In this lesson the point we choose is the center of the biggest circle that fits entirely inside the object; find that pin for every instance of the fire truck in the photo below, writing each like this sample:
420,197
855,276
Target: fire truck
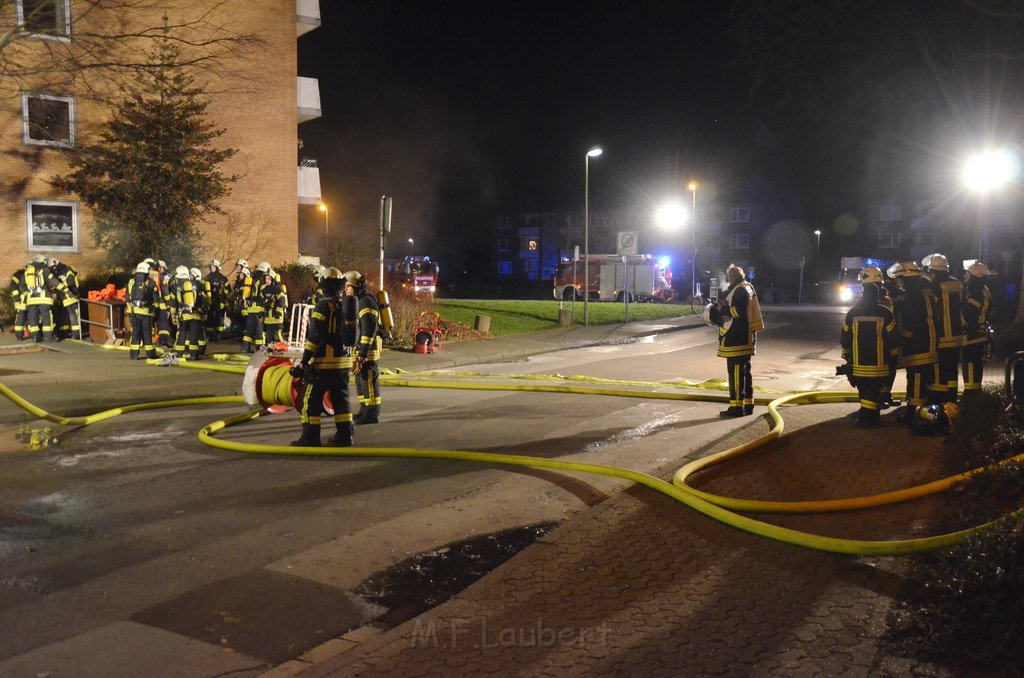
850,287
416,274
613,277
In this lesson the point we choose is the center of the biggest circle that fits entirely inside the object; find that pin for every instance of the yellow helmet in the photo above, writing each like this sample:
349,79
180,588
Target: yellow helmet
870,274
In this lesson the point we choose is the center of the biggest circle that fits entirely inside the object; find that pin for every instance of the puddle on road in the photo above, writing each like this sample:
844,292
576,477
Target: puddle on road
428,579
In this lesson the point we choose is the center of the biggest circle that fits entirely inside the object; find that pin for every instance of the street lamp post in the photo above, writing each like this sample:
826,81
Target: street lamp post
592,153
693,264
986,172
411,246
327,228
817,259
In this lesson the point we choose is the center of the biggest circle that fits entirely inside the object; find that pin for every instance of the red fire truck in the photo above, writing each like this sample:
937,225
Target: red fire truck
416,274
612,277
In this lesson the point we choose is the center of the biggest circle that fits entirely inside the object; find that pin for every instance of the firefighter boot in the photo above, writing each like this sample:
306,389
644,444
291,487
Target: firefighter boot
343,436
360,414
246,347
310,436
733,411
133,354
371,416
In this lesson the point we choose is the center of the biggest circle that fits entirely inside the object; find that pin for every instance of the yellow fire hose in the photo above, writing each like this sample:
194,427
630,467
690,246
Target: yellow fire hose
723,509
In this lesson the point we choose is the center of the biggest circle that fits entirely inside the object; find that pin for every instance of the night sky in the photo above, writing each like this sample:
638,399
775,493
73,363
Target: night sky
467,110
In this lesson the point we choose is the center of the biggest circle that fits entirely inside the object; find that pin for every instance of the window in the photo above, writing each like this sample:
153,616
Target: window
529,244
889,213
48,120
45,17
504,268
888,240
739,215
52,226
503,245
739,241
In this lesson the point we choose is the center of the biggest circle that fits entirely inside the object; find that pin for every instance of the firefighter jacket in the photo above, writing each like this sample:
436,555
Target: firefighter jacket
274,303
948,309
68,278
736,336
142,295
325,347
187,301
39,285
159,284
368,342
869,335
915,324
252,301
17,285
218,283
976,308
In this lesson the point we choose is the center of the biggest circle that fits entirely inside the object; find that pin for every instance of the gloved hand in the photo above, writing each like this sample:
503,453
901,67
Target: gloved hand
357,364
297,371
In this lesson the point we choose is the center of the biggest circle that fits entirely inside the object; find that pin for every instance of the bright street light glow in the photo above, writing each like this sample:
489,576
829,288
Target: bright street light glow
594,152
990,170
671,217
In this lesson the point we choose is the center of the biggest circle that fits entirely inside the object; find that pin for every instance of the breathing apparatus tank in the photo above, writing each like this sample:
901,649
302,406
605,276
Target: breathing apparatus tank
387,320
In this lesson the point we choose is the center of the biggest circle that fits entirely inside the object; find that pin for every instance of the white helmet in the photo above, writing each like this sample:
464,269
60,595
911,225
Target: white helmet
52,262
935,262
181,273
978,270
195,273
39,259
263,267
162,264
143,267
902,269
242,263
214,263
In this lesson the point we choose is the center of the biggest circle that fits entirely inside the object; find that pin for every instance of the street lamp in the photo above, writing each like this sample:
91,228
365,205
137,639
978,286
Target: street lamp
817,259
693,264
411,248
327,228
592,153
986,172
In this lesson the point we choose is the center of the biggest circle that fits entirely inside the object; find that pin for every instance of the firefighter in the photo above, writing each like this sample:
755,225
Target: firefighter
253,311
218,284
142,296
948,299
916,329
867,340
275,305
977,329
164,282
20,310
66,317
204,296
890,290
38,292
368,348
184,308
740,320
325,365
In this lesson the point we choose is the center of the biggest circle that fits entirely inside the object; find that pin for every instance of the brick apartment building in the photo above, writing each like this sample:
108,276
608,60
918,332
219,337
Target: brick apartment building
257,98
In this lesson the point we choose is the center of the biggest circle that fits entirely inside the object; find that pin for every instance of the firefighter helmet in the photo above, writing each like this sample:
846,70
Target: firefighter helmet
978,270
149,261
263,267
39,259
214,263
242,263
935,262
195,273
52,261
162,264
181,273
319,273
355,279
870,274
143,267
332,281
904,268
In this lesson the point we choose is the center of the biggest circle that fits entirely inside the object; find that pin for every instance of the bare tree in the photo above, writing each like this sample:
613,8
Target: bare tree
96,46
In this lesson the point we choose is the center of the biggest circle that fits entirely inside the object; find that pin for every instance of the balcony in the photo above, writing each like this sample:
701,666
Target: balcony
308,98
309,185
307,16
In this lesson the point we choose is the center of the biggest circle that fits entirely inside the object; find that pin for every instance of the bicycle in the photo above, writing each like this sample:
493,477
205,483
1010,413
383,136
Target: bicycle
697,301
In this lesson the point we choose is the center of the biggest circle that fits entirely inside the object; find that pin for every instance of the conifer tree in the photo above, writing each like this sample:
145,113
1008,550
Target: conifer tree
152,175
